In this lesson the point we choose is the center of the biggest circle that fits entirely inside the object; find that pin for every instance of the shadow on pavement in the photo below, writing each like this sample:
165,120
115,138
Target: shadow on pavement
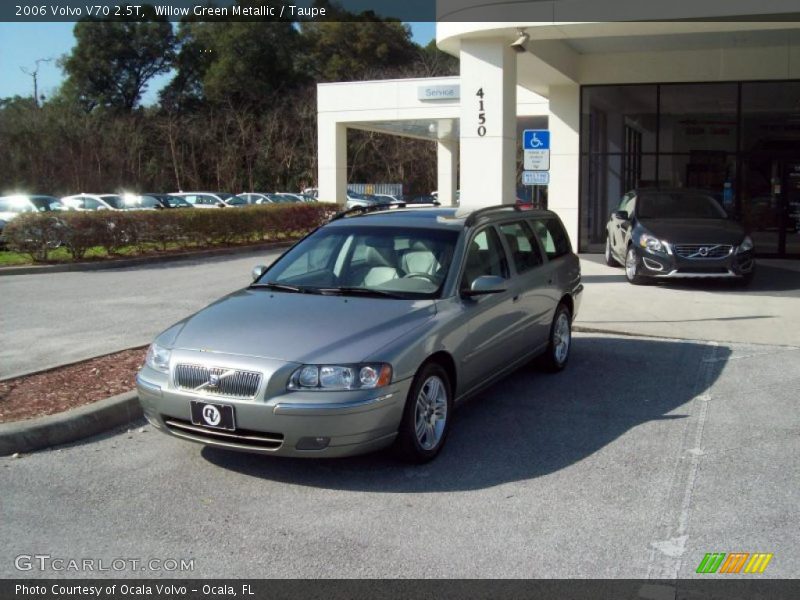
529,425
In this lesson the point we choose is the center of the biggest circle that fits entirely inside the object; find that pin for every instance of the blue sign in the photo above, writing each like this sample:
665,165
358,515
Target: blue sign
535,177
536,139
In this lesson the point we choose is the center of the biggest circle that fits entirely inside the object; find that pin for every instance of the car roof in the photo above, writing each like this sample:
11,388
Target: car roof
438,218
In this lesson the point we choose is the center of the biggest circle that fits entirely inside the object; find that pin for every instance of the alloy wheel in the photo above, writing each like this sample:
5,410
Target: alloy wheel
431,412
562,337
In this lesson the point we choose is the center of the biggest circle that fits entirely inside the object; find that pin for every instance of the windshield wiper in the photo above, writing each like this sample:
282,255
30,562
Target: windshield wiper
283,287
360,291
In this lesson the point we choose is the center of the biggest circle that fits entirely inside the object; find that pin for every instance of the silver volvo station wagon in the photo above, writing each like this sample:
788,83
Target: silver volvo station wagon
367,332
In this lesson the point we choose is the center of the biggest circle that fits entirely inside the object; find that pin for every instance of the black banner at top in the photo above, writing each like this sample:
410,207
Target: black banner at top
477,11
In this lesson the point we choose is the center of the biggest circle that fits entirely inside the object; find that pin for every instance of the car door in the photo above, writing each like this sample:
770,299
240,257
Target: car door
561,271
532,282
494,338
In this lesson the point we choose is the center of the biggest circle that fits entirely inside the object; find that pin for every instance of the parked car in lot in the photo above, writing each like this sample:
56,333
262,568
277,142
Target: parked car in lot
16,204
205,199
356,199
160,201
254,198
668,233
367,332
292,197
95,202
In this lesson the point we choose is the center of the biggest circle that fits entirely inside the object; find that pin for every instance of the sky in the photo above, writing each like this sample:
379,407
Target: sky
21,44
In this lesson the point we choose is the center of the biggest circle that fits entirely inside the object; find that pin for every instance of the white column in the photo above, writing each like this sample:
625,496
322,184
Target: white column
332,160
488,157
564,124
447,171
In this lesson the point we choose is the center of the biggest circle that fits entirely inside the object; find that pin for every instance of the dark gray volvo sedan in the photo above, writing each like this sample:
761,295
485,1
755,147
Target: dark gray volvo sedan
366,333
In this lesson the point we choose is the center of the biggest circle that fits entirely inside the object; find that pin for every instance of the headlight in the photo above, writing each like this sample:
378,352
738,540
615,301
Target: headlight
746,245
341,377
158,358
653,244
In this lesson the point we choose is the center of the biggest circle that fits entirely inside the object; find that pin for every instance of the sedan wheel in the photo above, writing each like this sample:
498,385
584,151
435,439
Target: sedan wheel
426,418
632,267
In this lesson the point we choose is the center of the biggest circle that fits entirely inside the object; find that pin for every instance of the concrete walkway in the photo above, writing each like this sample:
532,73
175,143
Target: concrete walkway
766,312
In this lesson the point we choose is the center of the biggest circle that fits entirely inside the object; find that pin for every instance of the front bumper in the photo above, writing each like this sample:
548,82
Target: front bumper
347,422
668,266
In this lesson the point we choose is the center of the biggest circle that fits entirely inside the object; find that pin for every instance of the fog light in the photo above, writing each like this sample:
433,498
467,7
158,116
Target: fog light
313,443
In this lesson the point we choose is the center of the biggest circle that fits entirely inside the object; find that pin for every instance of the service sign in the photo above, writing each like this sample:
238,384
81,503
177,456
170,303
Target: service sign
439,92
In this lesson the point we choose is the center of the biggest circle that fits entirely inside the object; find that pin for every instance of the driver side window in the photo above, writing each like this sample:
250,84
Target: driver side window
485,256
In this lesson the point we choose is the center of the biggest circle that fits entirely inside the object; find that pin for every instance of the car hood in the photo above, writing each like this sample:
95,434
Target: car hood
303,328
695,231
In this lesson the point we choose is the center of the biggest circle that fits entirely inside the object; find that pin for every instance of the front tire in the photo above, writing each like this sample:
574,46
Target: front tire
632,268
426,417
610,260
557,354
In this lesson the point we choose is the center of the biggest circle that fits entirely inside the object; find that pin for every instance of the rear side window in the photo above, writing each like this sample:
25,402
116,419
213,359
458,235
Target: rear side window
485,256
552,236
524,249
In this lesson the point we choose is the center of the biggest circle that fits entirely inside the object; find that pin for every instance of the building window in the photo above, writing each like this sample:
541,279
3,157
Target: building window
737,141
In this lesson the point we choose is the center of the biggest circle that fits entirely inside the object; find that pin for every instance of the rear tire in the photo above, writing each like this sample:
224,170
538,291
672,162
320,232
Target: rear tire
610,260
632,268
556,356
426,418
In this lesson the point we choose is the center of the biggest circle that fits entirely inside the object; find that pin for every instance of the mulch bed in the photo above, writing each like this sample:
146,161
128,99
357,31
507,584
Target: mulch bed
62,388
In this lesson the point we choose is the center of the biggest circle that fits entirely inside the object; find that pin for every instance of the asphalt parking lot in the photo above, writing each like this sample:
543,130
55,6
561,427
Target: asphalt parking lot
645,454
57,318
637,460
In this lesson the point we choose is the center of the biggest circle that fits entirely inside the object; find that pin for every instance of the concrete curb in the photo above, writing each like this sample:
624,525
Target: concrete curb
69,426
139,261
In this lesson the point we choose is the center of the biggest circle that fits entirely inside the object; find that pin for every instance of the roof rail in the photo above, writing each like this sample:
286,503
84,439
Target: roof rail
361,210
475,215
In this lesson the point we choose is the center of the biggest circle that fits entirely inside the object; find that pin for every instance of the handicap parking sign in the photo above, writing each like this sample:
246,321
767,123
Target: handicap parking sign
536,139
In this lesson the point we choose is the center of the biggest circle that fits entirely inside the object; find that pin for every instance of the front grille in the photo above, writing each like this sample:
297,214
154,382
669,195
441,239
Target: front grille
229,382
701,251
703,270
240,437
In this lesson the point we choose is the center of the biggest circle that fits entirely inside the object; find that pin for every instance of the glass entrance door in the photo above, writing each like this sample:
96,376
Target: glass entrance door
790,207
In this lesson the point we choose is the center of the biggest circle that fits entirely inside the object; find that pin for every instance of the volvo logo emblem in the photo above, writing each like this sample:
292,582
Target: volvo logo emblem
213,380
211,415
703,251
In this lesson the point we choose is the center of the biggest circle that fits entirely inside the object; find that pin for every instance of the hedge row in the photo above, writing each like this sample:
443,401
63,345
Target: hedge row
37,234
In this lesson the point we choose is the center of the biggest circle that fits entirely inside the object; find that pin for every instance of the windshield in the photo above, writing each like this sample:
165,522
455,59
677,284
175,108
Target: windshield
114,201
384,261
224,196
678,205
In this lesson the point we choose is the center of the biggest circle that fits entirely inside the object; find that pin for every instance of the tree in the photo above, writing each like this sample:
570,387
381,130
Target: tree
113,61
346,51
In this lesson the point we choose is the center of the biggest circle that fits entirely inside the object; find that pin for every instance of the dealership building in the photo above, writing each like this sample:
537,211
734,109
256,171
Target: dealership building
707,98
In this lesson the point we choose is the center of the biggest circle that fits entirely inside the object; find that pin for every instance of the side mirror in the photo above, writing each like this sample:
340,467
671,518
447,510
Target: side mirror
258,271
622,215
486,284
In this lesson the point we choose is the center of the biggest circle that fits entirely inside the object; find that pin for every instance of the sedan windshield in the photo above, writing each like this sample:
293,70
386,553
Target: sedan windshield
678,205
384,262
